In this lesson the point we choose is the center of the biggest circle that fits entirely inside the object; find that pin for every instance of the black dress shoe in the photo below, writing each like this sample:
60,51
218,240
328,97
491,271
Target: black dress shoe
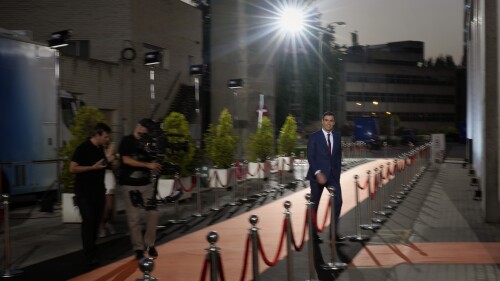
139,254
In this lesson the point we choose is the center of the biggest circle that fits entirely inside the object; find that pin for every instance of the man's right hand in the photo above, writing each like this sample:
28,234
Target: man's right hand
155,167
320,178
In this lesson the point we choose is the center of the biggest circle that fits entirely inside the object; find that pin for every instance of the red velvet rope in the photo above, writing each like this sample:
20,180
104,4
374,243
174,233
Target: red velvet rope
299,248
364,186
193,184
203,276
221,268
245,259
278,252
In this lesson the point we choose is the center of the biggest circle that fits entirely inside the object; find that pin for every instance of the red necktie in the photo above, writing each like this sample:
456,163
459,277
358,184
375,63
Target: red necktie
329,144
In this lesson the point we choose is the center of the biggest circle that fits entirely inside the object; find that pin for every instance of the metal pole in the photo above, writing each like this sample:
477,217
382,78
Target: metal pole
7,272
254,219
289,256
310,246
358,237
213,254
333,264
198,195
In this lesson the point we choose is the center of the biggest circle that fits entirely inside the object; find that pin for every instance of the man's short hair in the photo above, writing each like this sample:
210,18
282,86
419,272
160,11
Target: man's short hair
328,113
147,123
101,128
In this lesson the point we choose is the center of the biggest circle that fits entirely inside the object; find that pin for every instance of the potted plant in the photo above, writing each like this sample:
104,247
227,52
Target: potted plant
84,122
179,153
287,142
260,146
220,145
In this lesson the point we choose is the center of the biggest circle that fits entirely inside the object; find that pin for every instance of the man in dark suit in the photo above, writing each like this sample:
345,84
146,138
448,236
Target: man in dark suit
324,153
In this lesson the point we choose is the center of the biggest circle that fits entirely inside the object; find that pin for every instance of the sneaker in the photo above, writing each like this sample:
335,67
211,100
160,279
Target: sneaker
139,254
152,252
102,232
111,230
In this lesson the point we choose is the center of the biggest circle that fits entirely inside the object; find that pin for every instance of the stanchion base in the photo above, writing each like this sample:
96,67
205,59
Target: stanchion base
334,266
379,220
390,207
384,213
234,204
214,209
371,226
10,273
176,221
198,215
147,278
358,238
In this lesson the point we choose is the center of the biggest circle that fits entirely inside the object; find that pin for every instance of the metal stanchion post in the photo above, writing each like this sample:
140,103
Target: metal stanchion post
358,237
289,256
213,255
370,225
333,264
310,246
235,202
386,190
376,189
254,219
198,195
176,204
8,271
147,265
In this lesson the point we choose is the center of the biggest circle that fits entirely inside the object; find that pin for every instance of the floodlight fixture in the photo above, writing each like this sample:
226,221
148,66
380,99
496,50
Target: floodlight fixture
59,39
197,69
235,83
152,58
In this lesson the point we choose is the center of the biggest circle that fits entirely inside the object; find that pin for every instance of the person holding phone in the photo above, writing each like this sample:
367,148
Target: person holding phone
88,163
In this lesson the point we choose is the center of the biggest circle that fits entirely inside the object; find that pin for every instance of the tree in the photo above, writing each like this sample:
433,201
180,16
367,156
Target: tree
180,151
261,144
85,120
221,142
287,140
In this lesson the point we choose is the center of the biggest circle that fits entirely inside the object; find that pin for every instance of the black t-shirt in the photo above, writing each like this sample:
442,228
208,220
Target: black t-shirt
129,175
87,154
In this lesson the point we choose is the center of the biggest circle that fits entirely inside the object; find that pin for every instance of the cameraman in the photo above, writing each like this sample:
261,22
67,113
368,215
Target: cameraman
135,178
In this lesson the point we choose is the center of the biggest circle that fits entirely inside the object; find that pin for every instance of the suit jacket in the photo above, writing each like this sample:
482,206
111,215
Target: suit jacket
320,159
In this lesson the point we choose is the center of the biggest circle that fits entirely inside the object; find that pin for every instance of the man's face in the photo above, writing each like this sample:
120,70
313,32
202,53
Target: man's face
328,122
139,131
103,139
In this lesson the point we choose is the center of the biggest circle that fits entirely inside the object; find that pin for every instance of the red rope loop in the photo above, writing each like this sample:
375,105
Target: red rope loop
221,268
203,275
278,252
299,247
193,184
245,259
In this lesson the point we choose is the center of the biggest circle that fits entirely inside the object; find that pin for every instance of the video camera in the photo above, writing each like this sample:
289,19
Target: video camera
156,143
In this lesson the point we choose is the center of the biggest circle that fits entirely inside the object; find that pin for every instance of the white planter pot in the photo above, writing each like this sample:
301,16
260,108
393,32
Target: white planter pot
284,163
221,178
70,212
256,170
300,168
165,187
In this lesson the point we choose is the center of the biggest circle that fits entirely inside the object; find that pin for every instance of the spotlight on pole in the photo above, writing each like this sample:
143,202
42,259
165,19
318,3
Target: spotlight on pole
197,69
59,39
235,83
152,58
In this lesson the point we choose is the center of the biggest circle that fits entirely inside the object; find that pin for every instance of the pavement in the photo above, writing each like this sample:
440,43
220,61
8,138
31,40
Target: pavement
440,208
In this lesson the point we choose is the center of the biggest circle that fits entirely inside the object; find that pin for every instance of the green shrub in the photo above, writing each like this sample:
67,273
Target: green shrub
84,122
261,144
220,141
176,127
287,140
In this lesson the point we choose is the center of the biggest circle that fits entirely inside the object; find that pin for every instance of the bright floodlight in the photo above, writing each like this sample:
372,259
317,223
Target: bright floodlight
292,20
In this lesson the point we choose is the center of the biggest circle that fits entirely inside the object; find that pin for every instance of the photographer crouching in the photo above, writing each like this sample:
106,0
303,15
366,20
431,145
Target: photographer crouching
137,166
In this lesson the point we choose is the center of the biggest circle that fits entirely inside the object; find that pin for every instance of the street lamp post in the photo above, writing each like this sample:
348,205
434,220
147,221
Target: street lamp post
235,84
196,71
